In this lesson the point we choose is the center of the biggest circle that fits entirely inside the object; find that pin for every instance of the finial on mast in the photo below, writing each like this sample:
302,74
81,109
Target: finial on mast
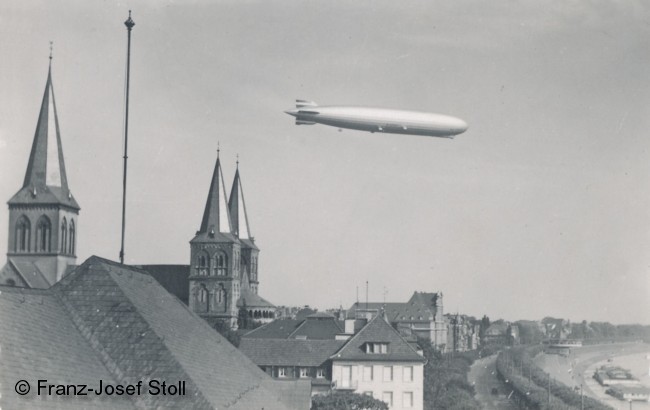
51,46
237,161
129,23
218,149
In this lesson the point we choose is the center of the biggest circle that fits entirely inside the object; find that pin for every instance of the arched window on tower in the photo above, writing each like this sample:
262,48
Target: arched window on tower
64,236
204,304
254,268
222,264
73,245
219,295
23,235
202,263
43,234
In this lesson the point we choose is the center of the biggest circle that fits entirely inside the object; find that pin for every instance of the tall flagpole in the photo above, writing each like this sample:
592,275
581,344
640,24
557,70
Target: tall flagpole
129,25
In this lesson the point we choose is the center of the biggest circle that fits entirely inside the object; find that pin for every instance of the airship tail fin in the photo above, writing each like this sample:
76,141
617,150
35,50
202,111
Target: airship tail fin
303,122
305,103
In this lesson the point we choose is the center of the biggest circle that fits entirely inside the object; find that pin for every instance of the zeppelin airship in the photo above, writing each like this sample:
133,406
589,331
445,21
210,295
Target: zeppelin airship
378,119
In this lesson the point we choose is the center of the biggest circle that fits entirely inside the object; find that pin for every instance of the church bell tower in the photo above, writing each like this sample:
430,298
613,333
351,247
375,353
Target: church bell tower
43,214
215,259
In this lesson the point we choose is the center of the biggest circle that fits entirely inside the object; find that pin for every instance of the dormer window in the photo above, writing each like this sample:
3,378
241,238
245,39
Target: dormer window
376,347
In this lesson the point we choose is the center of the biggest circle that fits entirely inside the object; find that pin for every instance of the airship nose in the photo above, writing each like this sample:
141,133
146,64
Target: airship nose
293,113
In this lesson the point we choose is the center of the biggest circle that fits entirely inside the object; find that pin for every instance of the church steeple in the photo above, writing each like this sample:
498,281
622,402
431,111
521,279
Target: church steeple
237,208
216,216
45,178
46,165
43,214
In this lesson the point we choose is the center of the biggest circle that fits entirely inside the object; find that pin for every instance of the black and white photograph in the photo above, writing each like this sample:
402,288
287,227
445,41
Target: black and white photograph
327,205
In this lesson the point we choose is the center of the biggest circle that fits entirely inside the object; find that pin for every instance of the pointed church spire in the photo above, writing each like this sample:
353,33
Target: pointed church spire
46,166
237,208
216,218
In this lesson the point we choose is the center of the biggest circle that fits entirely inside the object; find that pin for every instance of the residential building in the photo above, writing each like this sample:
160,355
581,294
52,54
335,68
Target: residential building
378,361
422,316
367,356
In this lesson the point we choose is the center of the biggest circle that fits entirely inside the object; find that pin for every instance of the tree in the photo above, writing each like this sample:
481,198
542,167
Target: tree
224,329
347,401
485,323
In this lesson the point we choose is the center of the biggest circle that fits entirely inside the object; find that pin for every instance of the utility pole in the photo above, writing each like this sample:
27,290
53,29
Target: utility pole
549,390
582,399
129,25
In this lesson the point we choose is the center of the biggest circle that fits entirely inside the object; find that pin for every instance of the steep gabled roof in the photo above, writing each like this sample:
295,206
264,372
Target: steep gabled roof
378,331
289,352
216,224
40,341
278,329
143,332
174,278
317,327
29,273
237,207
45,180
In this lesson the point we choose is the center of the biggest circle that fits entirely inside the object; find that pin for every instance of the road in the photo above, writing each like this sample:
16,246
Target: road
483,375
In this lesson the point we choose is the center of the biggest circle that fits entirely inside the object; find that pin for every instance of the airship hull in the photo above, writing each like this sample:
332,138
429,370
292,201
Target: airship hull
378,120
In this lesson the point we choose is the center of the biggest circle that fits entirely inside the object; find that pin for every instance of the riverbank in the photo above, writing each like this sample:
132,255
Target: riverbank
578,367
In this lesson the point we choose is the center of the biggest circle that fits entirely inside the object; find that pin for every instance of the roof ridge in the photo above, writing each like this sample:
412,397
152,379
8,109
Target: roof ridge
107,360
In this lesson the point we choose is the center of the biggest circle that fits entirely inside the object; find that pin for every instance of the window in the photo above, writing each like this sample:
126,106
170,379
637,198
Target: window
388,373
407,399
387,397
282,372
219,295
408,373
43,234
203,299
202,264
375,348
71,241
23,233
320,373
64,236
304,372
367,373
222,264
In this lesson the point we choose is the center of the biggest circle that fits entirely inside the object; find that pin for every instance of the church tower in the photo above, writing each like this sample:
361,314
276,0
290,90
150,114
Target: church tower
215,259
241,229
43,214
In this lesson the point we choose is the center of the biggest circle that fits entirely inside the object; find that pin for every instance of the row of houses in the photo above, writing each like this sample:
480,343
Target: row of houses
364,355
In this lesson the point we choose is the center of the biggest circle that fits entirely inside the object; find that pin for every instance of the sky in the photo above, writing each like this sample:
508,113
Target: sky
542,208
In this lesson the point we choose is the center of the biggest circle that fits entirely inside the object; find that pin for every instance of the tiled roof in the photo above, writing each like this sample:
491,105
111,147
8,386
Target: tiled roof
316,328
30,273
114,322
174,278
278,329
378,330
304,312
289,352
40,341
253,300
395,312
147,333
